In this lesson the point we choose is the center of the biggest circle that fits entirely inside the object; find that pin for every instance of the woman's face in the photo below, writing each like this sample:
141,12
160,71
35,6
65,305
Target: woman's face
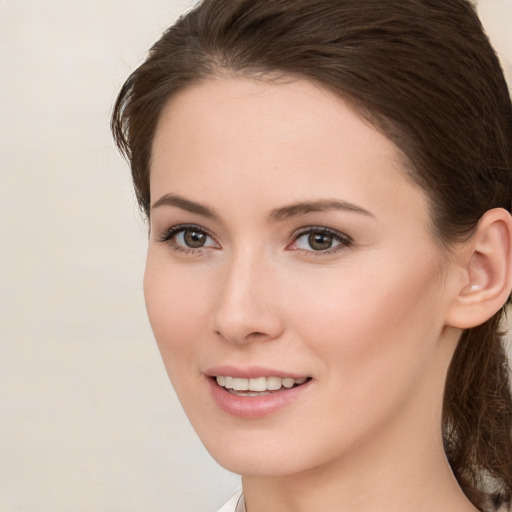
288,248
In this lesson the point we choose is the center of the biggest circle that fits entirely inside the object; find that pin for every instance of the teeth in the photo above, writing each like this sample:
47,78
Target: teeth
240,384
288,382
274,383
259,384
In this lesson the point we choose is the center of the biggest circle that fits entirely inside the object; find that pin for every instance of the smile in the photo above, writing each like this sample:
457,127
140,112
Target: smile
257,386
254,393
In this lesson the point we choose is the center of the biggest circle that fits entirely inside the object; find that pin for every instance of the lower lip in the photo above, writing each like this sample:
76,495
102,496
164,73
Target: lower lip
255,407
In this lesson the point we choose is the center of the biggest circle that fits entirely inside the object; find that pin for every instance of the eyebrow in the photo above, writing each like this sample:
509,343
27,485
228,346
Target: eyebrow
184,204
278,214
323,205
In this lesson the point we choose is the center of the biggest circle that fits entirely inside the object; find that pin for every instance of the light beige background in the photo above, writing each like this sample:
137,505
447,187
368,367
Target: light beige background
88,421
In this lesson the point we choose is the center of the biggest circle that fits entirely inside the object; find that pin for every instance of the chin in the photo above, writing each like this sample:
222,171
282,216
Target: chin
269,454
256,464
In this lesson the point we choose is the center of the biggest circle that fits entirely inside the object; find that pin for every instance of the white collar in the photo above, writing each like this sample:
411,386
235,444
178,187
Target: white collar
235,504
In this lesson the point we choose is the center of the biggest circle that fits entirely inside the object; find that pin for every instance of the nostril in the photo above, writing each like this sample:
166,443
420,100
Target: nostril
241,337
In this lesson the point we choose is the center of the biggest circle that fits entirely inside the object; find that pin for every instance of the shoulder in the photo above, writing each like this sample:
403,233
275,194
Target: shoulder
235,504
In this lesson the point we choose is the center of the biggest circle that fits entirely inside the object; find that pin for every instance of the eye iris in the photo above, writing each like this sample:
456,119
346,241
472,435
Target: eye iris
194,239
320,241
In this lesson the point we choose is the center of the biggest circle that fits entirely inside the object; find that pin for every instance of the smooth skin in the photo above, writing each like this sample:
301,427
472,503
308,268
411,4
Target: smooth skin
352,290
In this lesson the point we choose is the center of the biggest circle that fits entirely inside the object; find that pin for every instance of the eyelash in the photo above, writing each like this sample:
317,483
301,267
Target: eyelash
168,238
343,240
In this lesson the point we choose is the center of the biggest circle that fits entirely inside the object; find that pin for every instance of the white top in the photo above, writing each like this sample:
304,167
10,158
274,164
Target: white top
235,504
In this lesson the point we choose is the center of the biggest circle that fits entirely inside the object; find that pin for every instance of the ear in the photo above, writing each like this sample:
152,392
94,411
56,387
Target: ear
486,260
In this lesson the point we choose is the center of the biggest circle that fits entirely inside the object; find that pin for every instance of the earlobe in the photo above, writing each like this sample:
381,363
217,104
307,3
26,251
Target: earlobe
487,258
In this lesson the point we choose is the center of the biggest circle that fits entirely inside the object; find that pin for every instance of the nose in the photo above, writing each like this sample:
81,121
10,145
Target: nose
247,308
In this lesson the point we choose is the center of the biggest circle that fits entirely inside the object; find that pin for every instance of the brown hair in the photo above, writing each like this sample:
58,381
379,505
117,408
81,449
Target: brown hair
422,72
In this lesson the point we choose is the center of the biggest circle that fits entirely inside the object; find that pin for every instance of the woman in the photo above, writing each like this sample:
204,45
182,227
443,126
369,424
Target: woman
328,185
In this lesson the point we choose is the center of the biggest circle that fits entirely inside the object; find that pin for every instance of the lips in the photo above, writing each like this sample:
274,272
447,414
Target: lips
255,393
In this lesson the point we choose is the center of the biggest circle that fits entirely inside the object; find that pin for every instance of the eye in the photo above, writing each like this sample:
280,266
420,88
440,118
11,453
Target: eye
192,238
188,238
320,239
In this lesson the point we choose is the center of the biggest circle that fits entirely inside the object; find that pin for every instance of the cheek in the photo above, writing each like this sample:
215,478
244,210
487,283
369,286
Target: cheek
372,320
373,332
176,309
175,306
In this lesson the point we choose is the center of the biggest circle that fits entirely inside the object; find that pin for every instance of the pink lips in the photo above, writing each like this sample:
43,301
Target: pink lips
253,407
250,373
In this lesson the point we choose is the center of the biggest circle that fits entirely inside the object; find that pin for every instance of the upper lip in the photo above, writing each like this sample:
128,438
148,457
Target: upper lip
251,372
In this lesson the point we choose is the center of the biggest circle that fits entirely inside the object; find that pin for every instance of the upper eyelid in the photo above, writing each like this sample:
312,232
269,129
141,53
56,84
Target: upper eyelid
308,229
184,226
174,230
170,232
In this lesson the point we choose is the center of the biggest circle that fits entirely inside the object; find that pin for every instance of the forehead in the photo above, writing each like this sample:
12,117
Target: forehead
280,140
286,108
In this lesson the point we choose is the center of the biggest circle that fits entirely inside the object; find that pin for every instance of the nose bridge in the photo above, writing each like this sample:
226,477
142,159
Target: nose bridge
245,307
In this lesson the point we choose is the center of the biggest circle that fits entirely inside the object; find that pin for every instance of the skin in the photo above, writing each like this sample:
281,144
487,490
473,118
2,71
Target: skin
366,319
